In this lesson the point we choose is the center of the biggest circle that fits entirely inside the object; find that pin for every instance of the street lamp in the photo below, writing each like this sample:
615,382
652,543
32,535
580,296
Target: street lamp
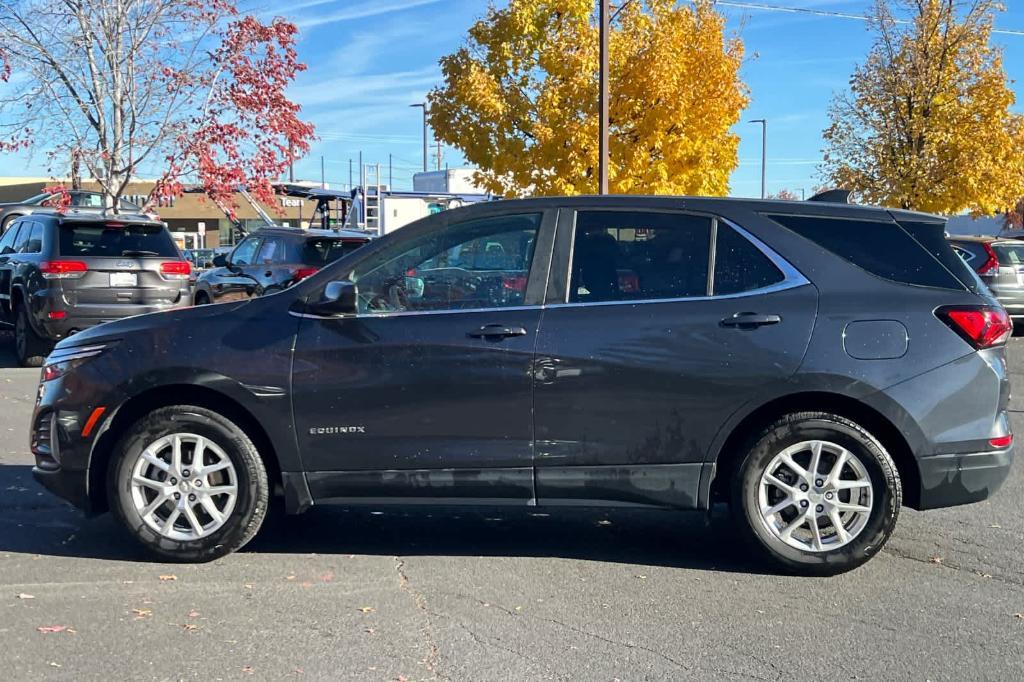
423,105
764,153
602,98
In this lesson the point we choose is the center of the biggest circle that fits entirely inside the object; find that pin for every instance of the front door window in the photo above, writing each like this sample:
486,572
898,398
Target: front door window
473,265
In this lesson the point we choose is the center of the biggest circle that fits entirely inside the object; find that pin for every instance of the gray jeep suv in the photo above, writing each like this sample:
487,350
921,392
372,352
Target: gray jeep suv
60,274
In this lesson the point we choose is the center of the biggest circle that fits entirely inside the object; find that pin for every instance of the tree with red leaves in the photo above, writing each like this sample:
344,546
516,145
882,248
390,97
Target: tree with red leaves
188,91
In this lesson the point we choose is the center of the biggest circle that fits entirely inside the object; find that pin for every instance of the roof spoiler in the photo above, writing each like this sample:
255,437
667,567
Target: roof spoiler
835,196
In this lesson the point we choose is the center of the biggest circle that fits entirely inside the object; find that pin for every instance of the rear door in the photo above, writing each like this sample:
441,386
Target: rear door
671,321
125,266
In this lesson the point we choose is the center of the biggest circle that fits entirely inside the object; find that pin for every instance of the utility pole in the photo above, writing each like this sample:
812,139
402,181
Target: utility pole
440,153
603,102
423,105
291,163
764,155
391,177
350,174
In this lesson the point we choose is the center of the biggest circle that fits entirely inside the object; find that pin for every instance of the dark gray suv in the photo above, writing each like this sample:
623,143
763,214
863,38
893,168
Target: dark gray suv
60,274
815,365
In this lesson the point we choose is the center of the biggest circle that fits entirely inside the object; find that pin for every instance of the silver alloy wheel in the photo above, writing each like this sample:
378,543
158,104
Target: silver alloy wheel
815,496
184,486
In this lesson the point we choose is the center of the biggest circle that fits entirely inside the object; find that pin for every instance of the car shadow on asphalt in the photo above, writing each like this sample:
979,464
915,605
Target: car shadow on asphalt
7,357
34,522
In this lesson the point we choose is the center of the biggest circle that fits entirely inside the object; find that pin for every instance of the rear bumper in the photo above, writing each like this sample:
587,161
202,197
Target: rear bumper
84,317
950,480
68,485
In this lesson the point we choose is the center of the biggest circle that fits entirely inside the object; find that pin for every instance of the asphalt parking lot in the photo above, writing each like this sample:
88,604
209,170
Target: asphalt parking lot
496,595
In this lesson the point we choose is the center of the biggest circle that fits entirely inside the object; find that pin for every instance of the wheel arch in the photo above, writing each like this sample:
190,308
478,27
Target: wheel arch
729,455
163,396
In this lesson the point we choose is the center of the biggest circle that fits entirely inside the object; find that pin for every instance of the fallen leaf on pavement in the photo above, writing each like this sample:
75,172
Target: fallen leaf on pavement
26,596
247,586
289,577
366,609
370,631
193,614
248,669
50,629
54,664
142,613
1019,616
168,578
936,560
190,627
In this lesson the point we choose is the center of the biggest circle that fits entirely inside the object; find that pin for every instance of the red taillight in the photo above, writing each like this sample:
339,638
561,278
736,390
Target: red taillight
63,269
57,314
629,283
981,326
303,273
991,264
176,269
1001,442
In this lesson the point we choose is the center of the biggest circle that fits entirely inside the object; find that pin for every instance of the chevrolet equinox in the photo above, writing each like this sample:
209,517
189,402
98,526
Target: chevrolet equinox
816,365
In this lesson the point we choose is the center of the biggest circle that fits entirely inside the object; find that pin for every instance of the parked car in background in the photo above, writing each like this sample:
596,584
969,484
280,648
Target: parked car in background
272,259
201,259
81,202
816,365
1000,264
60,274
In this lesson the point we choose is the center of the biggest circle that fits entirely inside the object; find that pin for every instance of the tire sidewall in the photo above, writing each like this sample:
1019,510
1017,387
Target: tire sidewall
249,503
886,496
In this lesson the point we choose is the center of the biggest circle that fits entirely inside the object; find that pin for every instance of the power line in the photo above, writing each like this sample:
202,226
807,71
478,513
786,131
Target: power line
832,14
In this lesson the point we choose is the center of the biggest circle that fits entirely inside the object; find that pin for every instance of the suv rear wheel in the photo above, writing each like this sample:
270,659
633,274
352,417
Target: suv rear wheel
188,484
29,347
819,494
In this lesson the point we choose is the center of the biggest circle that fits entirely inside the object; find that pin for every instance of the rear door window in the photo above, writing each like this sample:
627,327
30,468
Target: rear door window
272,251
882,248
639,255
8,240
99,240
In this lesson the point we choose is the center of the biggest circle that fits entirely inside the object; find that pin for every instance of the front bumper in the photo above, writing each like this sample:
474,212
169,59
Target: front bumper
950,480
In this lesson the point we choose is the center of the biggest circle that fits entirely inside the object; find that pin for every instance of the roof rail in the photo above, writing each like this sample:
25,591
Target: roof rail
836,196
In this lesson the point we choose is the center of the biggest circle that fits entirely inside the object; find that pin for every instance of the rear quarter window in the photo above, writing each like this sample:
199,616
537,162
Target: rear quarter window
881,248
98,240
320,251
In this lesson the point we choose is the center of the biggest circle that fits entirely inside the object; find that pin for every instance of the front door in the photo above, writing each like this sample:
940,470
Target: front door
647,354
426,393
239,281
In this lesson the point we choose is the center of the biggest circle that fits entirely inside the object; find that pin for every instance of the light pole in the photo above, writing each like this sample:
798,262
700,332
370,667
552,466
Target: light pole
423,105
602,146
764,154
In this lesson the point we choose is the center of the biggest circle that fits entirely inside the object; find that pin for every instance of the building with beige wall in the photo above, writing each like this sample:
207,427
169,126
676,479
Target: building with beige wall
189,216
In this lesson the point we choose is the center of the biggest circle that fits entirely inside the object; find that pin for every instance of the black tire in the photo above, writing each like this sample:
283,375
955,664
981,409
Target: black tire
806,426
201,298
253,494
7,223
30,348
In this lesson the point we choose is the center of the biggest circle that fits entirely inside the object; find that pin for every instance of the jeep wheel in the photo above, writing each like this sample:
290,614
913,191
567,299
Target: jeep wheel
819,494
29,347
188,484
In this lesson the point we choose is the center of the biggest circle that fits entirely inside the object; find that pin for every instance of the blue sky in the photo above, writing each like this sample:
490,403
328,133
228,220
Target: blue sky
369,59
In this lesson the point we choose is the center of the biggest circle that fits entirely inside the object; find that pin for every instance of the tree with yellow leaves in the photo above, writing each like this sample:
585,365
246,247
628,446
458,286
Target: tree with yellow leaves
520,99
927,124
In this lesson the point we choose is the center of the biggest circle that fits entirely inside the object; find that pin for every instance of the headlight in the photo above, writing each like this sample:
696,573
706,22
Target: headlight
62,361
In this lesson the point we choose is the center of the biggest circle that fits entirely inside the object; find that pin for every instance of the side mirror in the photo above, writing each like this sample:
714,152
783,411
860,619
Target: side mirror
220,261
339,298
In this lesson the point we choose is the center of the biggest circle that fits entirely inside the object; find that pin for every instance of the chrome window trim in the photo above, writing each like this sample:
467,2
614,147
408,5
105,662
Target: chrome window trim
792,278
410,313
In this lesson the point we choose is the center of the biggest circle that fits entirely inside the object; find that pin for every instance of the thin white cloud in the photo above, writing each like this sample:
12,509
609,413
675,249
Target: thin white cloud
362,11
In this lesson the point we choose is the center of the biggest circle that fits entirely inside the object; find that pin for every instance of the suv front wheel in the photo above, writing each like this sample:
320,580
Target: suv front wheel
819,495
188,484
